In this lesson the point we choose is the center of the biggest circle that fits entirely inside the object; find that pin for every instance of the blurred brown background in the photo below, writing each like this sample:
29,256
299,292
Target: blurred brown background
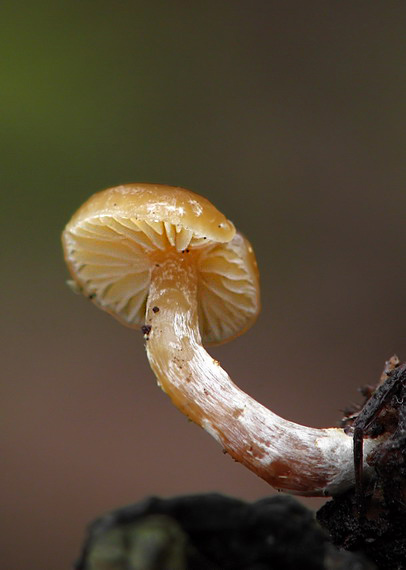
291,118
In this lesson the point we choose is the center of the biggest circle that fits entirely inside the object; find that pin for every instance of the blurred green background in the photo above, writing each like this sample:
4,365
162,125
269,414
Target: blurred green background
291,118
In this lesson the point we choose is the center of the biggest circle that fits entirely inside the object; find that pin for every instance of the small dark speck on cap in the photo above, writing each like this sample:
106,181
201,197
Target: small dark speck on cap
155,309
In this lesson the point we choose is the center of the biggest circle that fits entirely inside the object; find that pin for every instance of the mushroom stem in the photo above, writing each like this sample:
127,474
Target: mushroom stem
291,457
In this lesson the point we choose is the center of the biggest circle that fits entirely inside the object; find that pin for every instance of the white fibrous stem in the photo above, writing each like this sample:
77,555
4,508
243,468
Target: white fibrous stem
298,459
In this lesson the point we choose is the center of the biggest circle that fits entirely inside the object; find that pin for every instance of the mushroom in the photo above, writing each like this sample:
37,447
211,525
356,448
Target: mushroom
166,260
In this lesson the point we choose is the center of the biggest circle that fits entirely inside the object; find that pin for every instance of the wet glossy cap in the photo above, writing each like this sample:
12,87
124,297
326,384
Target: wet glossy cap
112,241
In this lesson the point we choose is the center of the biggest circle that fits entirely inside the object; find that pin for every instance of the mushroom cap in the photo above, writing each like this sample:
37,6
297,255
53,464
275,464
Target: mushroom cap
113,241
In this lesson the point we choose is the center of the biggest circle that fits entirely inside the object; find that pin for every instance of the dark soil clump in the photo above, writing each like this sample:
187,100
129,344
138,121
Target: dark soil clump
213,532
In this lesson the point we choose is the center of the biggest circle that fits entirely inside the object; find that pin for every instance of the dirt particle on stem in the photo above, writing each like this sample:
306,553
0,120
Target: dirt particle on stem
146,329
